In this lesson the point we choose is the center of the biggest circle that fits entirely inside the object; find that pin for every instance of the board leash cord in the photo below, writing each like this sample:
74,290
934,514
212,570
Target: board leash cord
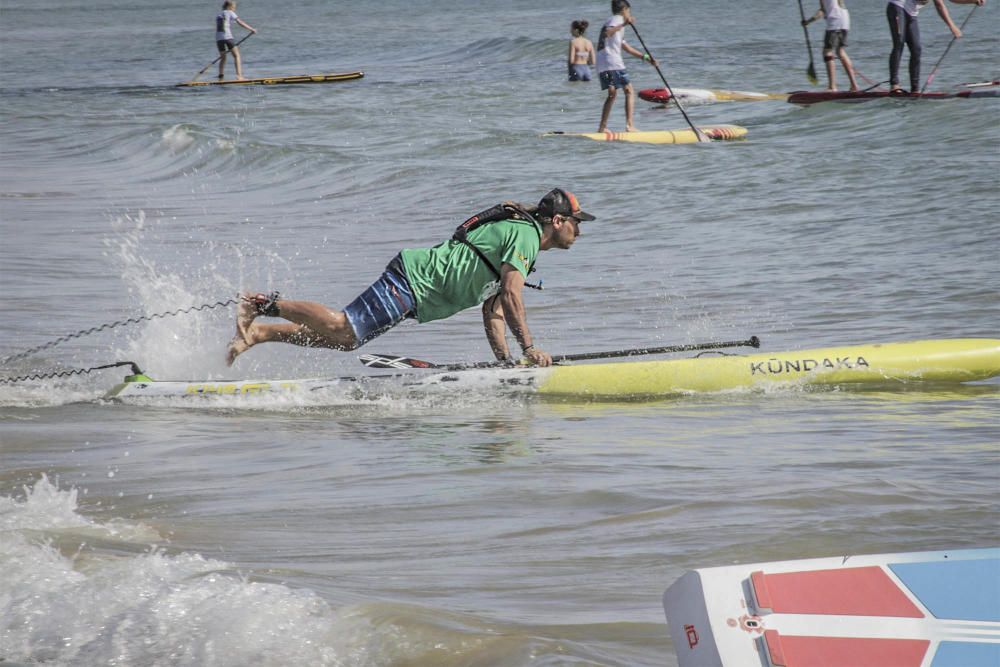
113,325
136,372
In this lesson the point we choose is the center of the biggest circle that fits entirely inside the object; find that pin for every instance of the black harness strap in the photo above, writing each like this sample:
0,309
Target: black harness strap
505,211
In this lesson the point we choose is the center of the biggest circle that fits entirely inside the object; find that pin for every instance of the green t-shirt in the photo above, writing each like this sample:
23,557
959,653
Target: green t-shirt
451,277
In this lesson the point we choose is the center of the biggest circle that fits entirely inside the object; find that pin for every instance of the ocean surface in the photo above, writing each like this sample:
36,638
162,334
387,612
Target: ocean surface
487,529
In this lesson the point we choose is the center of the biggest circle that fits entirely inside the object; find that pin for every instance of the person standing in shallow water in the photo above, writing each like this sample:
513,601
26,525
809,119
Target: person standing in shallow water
581,52
611,67
224,38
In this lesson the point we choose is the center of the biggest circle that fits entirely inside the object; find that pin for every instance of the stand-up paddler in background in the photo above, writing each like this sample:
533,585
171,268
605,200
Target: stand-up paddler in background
838,23
902,15
611,66
486,262
224,38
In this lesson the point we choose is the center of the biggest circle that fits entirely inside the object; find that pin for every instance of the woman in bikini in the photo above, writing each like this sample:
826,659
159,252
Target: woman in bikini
581,53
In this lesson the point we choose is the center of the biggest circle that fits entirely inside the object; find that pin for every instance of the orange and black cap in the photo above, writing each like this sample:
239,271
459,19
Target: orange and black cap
562,202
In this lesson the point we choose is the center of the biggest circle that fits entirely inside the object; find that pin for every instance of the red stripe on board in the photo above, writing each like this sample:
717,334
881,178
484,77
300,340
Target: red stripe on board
855,591
796,651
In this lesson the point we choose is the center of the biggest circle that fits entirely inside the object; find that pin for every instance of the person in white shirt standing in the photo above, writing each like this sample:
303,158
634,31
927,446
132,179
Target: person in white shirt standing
224,38
611,67
902,15
838,23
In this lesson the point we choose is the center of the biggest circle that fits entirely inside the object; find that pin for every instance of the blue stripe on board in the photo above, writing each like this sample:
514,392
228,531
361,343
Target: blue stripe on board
967,654
967,590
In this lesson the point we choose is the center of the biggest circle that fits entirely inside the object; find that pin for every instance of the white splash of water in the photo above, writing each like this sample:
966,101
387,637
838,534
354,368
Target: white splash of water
176,138
150,609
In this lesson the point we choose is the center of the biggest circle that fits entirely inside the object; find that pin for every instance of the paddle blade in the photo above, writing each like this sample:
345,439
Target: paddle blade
811,73
386,361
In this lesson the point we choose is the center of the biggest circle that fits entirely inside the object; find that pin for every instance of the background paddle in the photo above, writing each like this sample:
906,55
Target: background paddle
205,68
961,28
811,70
389,361
698,133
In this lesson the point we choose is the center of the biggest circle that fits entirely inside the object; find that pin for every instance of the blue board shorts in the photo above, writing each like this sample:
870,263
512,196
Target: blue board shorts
614,78
579,72
382,306
224,45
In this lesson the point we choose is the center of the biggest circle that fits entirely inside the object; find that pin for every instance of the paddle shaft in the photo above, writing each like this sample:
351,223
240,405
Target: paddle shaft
930,77
811,70
205,68
698,133
753,341
404,362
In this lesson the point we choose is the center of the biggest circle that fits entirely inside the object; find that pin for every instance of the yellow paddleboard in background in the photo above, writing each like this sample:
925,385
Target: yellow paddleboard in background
713,132
277,80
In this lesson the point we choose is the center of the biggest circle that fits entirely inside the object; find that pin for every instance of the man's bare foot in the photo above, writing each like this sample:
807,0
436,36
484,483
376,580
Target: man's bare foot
246,312
602,129
631,128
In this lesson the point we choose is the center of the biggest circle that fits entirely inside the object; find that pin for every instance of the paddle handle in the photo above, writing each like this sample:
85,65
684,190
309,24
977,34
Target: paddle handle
698,133
205,68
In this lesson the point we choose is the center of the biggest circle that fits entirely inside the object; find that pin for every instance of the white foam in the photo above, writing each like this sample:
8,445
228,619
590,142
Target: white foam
177,138
151,609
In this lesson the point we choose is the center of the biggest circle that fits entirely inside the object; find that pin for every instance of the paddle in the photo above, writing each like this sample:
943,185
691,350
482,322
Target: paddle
811,70
698,133
388,361
961,28
205,68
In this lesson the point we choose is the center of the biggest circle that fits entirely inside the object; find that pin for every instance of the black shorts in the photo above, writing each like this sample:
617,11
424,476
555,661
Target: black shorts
834,39
224,45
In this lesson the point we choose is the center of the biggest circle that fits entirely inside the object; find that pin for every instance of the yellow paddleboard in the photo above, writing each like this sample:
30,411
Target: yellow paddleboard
713,132
892,364
946,361
277,80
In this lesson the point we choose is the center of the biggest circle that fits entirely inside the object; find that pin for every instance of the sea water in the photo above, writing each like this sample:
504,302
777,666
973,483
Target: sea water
456,529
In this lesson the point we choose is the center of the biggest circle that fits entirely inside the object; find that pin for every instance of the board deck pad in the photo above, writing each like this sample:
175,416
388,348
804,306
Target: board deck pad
856,591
